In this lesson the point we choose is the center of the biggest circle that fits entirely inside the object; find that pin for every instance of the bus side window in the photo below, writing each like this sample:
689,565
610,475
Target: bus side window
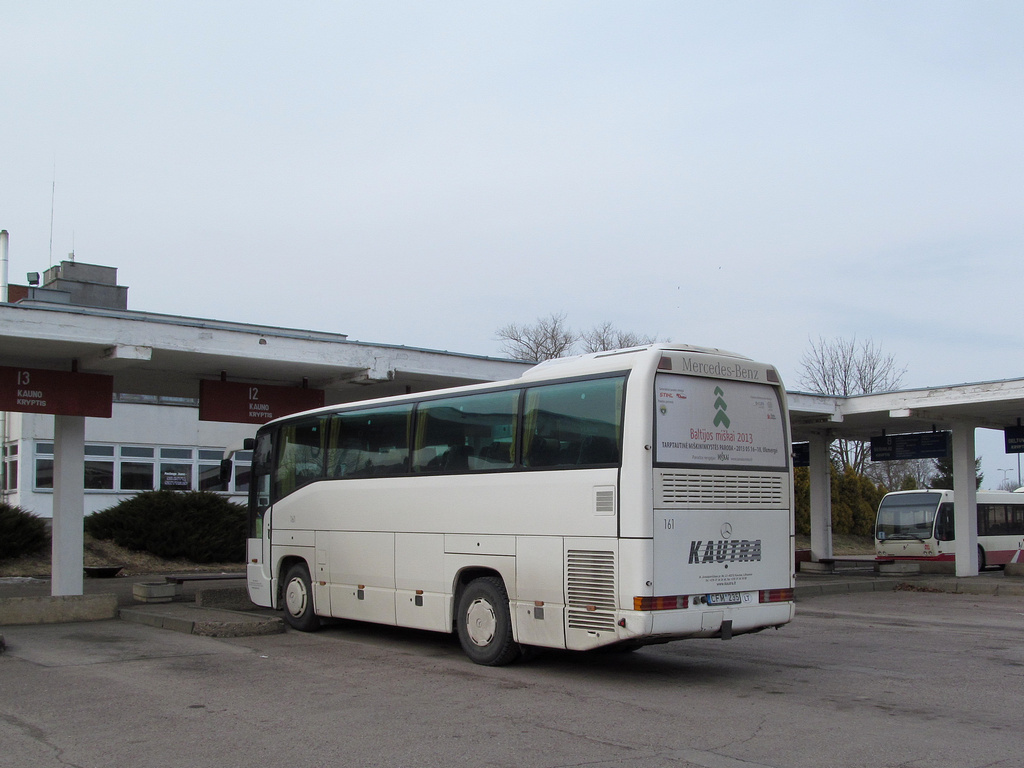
370,443
300,457
471,433
944,529
576,424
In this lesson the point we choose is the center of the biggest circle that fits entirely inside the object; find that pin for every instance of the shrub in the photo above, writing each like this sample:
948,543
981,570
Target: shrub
21,532
197,526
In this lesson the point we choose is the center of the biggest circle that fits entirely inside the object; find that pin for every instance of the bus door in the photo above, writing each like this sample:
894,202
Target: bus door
258,561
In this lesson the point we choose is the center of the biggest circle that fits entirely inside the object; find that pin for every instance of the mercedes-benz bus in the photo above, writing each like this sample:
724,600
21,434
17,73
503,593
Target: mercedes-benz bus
618,498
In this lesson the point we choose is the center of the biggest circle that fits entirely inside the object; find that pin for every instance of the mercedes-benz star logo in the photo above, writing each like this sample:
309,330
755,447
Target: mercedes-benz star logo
726,530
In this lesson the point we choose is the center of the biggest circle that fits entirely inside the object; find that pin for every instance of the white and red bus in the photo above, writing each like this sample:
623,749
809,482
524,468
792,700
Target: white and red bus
628,497
918,525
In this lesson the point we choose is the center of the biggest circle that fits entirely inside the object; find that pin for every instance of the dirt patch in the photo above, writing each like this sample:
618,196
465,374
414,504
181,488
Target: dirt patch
843,544
905,587
105,553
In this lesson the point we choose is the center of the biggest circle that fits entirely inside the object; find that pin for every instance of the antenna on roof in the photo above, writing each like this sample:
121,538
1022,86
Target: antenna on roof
53,193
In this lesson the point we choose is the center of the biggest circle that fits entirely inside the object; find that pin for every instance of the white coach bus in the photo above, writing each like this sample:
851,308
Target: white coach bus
628,497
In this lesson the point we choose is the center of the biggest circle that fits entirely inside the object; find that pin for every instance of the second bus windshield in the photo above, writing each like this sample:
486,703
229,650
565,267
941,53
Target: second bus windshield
907,516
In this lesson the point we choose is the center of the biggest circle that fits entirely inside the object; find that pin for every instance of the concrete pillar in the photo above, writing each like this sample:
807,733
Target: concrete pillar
821,497
68,505
965,500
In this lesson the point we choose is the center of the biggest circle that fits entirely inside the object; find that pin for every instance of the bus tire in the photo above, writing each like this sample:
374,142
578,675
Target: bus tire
298,600
981,558
484,623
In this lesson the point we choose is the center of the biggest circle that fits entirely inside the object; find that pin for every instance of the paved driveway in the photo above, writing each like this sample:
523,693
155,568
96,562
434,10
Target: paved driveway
870,679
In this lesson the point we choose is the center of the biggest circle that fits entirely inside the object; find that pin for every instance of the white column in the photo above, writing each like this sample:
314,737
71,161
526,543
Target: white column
965,500
68,505
821,497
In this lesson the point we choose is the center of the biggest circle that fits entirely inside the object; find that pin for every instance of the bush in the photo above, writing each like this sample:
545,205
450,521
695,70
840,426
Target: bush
855,499
197,526
21,532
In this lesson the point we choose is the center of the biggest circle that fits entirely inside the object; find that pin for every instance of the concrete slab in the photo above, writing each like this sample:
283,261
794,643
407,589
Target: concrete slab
899,568
57,610
208,622
229,598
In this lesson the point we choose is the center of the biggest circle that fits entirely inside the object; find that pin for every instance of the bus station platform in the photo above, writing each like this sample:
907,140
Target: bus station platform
213,605
219,607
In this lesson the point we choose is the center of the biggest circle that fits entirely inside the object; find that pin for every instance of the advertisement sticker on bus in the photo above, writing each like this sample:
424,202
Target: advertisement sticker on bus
718,423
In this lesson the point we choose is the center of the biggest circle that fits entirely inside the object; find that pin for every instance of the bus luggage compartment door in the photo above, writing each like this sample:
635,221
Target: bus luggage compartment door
257,567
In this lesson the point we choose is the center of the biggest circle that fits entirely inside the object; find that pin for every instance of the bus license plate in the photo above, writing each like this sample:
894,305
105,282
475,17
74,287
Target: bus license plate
724,598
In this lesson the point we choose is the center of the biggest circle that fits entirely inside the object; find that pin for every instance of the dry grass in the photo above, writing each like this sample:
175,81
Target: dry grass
843,544
98,553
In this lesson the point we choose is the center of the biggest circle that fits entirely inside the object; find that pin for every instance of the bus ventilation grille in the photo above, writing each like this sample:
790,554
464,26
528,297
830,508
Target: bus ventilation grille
591,590
709,490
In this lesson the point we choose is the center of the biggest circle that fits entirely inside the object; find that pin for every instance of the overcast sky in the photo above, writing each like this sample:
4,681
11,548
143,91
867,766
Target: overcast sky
744,175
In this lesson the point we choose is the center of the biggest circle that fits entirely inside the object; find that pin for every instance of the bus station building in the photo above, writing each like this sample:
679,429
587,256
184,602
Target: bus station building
183,391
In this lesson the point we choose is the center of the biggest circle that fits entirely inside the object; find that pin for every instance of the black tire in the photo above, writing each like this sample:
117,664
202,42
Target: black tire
484,623
297,600
981,558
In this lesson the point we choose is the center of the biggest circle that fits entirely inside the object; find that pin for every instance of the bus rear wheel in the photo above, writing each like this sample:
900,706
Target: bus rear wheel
484,623
298,600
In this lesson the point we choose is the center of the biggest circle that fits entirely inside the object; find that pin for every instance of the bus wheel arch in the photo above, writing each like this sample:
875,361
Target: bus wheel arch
483,620
296,596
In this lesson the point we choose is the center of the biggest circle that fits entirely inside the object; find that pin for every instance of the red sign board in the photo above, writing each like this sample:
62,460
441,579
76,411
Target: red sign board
253,403
63,393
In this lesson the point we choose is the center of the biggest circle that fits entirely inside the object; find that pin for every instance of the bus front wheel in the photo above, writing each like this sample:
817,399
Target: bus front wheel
298,600
484,623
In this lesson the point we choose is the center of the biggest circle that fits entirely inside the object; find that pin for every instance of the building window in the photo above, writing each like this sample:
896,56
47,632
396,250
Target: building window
209,474
9,476
99,467
176,475
44,466
136,476
242,465
136,468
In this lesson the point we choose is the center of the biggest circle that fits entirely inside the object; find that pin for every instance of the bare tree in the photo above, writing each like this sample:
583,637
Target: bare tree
845,367
901,475
604,337
547,338
550,337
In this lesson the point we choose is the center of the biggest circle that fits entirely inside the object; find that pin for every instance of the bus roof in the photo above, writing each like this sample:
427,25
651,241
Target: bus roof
556,368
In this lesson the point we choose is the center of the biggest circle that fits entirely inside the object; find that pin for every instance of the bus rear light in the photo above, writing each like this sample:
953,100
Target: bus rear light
775,595
665,364
670,603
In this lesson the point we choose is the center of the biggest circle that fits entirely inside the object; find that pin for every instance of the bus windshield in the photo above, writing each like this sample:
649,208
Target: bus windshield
907,515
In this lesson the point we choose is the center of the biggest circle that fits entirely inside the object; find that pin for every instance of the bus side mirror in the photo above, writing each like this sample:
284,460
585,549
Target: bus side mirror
225,471
249,444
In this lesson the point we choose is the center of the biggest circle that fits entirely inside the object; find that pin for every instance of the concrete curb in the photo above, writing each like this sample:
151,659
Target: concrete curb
993,588
804,591
992,585
57,609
